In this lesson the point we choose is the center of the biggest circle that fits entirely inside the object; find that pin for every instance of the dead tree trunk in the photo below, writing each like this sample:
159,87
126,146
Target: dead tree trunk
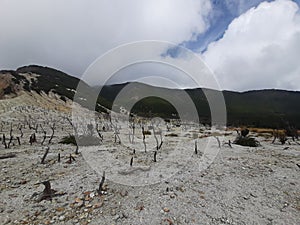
100,190
219,143
99,133
21,132
53,130
32,139
131,161
6,156
18,139
10,141
45,155
44,138
144,137
4,141
76,150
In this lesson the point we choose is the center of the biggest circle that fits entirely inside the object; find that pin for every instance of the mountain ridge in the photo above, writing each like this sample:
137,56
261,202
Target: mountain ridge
259,108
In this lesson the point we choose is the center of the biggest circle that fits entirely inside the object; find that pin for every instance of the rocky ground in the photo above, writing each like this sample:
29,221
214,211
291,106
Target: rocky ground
242,185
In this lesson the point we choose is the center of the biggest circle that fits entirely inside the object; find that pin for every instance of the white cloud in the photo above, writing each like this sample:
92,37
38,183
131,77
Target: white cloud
69,35
260,49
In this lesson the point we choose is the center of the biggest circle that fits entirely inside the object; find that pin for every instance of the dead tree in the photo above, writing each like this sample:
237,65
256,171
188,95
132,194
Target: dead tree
45,155
71,159
144,137
155,153
20,129
32,139
7,156
10,141
99,133
11,136
228,143
4,141
116,133
244,132
196,149
90,129
18,139
36,128
48,193
131,161
52,134
100,191
75,128
154,133
219,143
131,133
281,135
77,148
44,137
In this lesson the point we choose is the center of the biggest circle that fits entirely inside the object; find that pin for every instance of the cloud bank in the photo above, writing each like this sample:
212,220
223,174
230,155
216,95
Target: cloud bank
69,35
260,49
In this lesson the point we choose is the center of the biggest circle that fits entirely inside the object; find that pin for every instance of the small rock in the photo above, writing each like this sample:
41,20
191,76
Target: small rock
253,195
61,218
166,209
124,193
113,212
172,196
78,200
97,205
60,209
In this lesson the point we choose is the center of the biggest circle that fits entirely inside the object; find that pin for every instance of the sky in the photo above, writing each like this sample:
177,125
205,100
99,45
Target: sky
246,44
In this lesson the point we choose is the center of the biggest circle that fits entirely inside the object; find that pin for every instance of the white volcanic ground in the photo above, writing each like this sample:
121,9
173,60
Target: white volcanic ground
241,185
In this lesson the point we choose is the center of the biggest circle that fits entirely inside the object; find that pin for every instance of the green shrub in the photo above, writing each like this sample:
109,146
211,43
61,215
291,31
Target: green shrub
147,132
82,140
246,141
171,135
68,140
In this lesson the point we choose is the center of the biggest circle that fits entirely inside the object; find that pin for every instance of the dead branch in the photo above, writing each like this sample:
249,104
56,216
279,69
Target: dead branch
44,138
131,161
6,156
144,141
52,134
48,193
45,155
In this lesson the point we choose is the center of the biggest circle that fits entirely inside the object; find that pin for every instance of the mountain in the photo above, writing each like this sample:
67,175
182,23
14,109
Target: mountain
261,108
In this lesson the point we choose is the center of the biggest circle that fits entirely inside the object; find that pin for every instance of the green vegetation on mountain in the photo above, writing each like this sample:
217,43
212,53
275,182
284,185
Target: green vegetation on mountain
262,108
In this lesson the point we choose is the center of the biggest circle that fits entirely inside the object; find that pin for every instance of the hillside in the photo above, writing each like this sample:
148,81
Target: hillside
262,108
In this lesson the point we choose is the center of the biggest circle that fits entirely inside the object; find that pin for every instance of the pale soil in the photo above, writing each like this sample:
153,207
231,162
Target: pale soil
243,185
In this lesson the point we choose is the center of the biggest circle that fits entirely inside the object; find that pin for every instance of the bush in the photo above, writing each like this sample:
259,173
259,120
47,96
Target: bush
82,140
147,132
68,140
246,141
171,135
